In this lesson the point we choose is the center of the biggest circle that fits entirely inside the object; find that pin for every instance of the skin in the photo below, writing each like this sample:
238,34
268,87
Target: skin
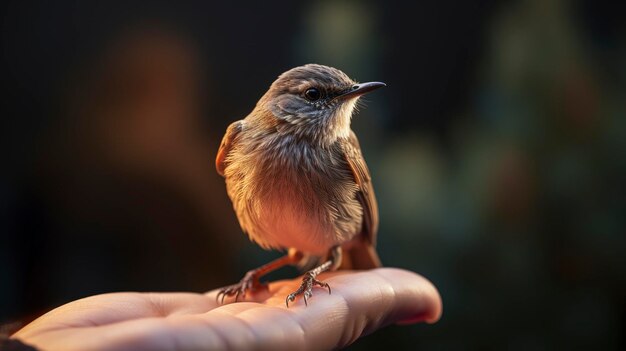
361,303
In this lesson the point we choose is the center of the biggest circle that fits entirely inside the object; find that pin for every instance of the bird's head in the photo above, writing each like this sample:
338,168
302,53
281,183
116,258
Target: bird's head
313,101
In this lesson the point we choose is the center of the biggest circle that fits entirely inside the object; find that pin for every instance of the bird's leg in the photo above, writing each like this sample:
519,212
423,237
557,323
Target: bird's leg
309,279
250,281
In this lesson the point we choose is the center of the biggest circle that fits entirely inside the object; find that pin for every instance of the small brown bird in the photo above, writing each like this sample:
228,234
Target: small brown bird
297,179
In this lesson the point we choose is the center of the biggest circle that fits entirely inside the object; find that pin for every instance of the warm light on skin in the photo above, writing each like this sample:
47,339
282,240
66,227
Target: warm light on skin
188,321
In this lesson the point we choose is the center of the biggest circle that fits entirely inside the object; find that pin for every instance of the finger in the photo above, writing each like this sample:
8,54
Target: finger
366,301
361,303
259,295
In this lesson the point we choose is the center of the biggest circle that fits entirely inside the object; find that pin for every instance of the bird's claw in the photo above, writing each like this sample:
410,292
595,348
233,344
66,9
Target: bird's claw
291,297
248,283
306,289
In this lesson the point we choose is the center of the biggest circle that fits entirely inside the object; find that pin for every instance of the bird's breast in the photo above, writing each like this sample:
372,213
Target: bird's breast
289,193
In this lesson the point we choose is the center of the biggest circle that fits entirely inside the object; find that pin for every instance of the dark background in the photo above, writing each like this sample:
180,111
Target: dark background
498,153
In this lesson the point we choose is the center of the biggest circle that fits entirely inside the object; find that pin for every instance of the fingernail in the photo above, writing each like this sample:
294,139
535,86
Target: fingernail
417,318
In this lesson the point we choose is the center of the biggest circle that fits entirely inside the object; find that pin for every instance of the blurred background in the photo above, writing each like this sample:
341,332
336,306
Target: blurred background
498,153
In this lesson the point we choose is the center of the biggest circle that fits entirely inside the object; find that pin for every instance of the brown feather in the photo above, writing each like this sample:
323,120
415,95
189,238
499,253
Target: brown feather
366,197
362,254
227,142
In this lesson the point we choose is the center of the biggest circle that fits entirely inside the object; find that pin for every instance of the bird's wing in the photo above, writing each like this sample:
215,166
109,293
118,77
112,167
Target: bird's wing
227,142
366,253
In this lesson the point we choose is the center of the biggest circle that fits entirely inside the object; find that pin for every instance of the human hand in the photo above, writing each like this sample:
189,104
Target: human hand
361,302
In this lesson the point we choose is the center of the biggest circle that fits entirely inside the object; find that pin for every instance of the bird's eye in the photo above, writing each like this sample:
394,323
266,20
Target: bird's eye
312,94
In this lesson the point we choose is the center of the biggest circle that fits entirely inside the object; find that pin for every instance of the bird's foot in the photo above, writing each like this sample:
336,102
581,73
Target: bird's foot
249,283
306,288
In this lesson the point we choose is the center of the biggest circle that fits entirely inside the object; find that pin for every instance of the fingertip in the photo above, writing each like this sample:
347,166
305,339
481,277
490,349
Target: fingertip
436,304
417,318
419,300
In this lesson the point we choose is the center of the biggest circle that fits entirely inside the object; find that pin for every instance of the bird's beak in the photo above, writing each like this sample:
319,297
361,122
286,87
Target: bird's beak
360,89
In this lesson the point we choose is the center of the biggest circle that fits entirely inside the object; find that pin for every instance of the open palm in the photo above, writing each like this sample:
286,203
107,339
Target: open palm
360,303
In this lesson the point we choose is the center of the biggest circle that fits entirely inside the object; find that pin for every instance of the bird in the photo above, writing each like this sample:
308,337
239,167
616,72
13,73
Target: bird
298,181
